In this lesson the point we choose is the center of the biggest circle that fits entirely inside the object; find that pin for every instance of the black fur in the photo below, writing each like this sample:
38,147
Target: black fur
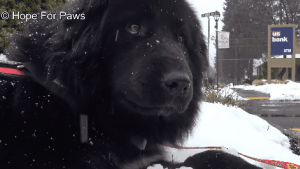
134,86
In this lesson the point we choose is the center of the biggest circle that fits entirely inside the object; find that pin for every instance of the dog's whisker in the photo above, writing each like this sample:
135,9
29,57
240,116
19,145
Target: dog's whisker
117,35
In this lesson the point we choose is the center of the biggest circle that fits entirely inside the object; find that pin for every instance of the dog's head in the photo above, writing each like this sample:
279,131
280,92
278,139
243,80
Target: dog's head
158,55
135,65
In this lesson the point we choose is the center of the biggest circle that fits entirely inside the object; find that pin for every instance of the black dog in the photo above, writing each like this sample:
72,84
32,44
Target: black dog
106,90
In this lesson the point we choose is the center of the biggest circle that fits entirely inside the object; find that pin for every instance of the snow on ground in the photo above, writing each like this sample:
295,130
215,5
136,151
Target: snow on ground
289,91
287,56
3,59
232,127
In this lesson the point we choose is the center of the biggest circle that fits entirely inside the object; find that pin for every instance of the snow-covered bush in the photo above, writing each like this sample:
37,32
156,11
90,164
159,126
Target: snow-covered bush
223,95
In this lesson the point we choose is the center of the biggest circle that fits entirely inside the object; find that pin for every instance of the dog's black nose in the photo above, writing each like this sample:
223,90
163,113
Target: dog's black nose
177,83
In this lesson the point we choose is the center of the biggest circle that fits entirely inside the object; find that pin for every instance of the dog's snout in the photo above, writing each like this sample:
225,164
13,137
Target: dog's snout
177,83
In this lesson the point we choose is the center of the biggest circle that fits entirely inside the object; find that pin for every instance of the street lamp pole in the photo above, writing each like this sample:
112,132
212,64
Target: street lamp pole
217,17
208,38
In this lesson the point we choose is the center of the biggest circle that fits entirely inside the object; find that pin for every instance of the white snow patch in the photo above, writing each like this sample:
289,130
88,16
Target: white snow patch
233,128
289,91
3,59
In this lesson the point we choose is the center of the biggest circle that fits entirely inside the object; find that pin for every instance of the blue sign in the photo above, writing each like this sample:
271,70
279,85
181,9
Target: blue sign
282,41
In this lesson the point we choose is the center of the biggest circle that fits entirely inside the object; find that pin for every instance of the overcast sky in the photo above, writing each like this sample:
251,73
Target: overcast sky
206,6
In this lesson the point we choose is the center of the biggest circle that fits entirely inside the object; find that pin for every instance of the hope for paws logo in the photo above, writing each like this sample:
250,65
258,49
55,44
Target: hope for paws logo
42,15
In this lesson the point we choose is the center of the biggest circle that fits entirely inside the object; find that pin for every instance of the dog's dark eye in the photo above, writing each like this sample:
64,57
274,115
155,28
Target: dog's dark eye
180,39
133,29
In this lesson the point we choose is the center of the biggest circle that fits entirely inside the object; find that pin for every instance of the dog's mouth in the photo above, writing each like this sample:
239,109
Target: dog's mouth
161,110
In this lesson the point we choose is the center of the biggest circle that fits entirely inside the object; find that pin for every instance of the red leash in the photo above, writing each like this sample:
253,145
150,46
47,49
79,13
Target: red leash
280,164
12,71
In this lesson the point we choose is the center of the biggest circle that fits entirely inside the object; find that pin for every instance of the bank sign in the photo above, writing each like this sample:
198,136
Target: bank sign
282,41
